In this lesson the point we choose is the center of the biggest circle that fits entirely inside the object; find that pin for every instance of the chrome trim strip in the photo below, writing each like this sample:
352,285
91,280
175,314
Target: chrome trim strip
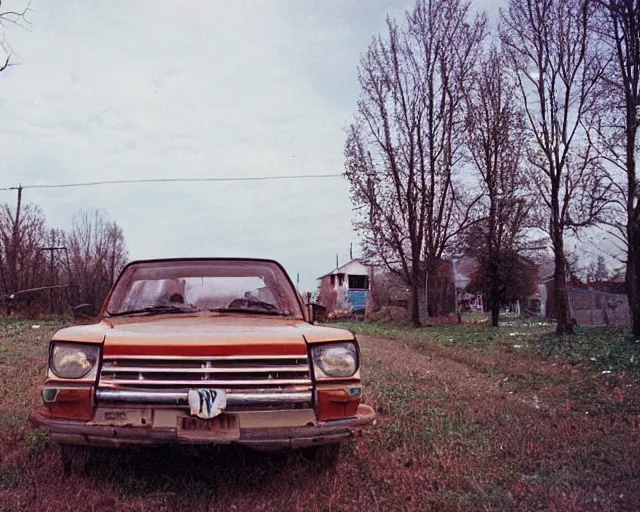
179,398
168,369
203,358
208,383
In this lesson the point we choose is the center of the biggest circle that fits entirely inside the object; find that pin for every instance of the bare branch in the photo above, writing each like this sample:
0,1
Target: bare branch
17,18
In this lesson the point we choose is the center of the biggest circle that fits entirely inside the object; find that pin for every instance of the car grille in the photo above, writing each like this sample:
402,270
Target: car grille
227,372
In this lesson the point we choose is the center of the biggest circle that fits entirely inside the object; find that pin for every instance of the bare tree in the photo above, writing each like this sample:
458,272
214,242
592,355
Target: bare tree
551,48
35,259
96,254
405,145
617,120
495,127
18,18
21,231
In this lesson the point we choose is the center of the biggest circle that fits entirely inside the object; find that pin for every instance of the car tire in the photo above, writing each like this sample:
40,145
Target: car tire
324,456
75,459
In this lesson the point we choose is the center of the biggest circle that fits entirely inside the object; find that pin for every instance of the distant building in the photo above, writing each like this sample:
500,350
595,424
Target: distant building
598,303
346,288
536,304
465,268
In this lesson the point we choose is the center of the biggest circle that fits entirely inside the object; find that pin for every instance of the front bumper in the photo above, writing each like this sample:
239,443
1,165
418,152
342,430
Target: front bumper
255,436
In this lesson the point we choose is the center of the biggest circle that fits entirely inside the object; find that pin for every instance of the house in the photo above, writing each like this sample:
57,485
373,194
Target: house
464,269
536,304
346,288
597,303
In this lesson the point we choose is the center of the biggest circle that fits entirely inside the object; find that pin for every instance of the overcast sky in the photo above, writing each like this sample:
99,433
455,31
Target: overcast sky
150,89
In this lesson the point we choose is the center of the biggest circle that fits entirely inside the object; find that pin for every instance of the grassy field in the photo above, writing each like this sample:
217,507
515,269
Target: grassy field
470,418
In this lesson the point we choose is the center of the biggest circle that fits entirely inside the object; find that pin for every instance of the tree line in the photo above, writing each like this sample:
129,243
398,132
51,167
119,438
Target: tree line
516,138
43,268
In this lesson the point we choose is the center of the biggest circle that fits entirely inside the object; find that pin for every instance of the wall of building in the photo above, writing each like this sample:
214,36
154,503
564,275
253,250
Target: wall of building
592,307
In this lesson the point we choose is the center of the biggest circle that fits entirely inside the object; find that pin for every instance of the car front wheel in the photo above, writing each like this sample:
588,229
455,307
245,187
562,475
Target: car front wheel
75,459
324,456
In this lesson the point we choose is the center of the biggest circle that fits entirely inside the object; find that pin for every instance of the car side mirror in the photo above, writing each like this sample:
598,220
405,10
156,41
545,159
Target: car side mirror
316,312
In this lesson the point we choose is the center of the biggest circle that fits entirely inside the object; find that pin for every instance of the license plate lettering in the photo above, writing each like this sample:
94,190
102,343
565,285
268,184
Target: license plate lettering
115,415
224,427
223,422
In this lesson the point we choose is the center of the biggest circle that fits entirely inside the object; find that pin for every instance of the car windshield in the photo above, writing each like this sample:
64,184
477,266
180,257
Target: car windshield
188,286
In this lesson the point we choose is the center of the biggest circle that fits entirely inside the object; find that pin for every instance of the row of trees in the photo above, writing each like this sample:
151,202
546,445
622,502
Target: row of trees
527,135
88,257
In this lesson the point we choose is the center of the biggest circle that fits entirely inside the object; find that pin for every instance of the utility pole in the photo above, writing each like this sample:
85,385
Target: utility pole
52,249
12,255
454,260
455,291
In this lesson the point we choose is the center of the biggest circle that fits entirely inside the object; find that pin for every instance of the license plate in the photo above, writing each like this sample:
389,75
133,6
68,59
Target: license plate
224,427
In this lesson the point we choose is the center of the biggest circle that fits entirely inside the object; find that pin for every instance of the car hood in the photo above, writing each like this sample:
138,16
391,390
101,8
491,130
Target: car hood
203,335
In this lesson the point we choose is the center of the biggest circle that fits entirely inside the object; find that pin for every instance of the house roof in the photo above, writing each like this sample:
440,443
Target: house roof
355,267
465,267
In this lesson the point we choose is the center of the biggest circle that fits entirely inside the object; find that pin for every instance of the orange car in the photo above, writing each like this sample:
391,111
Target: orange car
204,351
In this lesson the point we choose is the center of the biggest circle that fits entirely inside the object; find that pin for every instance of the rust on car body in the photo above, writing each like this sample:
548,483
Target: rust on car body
230,330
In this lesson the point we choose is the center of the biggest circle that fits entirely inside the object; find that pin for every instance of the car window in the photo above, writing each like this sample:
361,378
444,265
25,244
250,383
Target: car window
204,285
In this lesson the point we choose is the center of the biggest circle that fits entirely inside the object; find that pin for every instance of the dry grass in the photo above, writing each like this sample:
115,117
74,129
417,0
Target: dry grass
471,418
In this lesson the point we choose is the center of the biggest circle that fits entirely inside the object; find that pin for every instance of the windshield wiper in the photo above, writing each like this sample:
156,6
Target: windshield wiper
154,310
249,311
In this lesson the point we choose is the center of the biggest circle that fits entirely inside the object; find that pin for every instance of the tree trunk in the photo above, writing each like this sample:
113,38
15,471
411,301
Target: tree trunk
564,326
633,225
494,294
424,301
633,273
495,314
415,304
633,289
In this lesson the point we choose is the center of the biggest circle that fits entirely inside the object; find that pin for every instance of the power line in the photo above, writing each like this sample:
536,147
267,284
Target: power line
179,180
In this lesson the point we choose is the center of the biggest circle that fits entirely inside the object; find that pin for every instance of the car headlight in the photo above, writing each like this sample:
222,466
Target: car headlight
73,360
335,360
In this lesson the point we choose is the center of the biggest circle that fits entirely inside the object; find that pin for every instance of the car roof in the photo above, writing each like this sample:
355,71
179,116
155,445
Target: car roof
204,258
